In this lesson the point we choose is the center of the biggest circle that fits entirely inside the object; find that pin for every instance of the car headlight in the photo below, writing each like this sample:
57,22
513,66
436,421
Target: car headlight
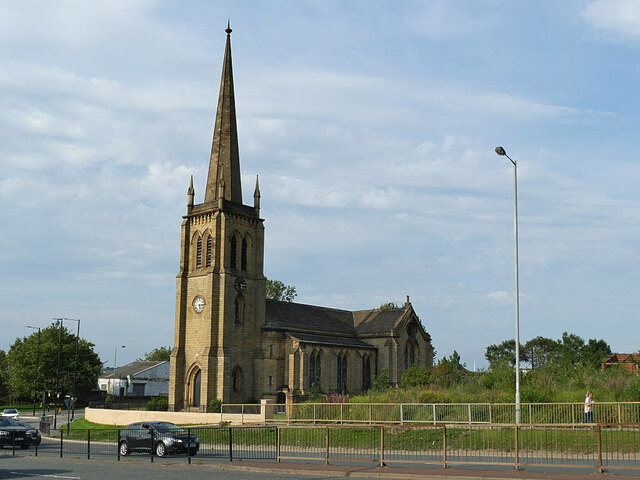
4,433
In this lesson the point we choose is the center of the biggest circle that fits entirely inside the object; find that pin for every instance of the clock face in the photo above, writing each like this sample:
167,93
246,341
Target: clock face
240,284
198,304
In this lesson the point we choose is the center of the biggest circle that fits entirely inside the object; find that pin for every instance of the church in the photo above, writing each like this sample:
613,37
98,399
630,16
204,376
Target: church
232,343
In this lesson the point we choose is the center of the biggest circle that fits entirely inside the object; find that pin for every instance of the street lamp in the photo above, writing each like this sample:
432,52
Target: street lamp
502,152
35,381
75,366
115,363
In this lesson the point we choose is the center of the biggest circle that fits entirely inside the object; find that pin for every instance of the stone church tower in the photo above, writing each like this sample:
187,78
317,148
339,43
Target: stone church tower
220,293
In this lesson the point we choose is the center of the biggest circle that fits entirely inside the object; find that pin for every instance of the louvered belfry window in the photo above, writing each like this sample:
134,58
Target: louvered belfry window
199,253
209,249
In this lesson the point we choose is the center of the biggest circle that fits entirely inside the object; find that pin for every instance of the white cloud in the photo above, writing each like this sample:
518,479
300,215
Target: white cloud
445,20
617,18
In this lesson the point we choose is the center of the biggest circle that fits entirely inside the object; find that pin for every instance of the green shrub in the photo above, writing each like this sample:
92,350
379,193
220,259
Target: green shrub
381,383
158,404
415,376
214,406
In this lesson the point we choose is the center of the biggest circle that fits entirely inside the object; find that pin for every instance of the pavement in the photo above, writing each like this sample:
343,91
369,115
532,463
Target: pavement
418,473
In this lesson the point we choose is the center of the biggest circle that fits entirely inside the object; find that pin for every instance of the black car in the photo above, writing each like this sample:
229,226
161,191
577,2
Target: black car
165,438
32,433
13,434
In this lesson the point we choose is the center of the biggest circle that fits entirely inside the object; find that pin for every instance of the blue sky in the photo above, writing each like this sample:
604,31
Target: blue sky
372,126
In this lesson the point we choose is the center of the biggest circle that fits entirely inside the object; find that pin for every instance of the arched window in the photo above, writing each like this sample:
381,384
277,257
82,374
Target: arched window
243,257
233,254
239,309
199,252
342,372
209,249
366,372
315,369
236,379
409,354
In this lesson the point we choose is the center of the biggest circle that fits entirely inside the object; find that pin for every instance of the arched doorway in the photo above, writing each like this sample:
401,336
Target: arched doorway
197,383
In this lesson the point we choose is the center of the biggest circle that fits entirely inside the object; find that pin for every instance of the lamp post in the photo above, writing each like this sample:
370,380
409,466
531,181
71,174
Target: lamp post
75,370
35,381
57,393
75,367
501,151
115,363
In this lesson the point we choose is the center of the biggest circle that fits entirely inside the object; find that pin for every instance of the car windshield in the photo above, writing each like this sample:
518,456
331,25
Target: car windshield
10,410
7,422
166,426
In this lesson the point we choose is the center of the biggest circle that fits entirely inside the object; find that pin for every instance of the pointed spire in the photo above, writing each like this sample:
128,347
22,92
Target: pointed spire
225,159
190,194
256,197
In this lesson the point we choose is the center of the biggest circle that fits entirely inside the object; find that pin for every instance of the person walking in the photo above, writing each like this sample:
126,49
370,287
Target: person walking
588,408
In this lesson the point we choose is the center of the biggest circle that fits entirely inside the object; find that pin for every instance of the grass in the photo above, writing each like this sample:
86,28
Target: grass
416,438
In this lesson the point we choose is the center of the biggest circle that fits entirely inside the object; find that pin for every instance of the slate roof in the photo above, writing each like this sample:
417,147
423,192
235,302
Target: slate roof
330,340
330,322
297,316
377,321
132,368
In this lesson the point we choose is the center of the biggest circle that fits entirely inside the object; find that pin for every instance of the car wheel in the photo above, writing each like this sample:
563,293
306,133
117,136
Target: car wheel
25,446
124,449
161,450
193,451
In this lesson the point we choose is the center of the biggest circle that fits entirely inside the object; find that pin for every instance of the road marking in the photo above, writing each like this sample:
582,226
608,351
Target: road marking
43,475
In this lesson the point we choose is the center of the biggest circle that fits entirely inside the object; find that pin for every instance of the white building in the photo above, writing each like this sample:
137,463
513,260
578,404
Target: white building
138,379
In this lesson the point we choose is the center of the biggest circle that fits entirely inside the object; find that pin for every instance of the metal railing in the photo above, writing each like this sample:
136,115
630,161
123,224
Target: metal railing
598,446
451,413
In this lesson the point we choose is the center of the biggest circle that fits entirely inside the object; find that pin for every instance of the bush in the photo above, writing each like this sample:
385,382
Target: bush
214,406
415,376
158,404
381,383
108,401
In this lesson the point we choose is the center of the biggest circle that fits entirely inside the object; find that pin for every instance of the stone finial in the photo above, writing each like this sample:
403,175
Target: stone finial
190,194
256,197
228,29
408,302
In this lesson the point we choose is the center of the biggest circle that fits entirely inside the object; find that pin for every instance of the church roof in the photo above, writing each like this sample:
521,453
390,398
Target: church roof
331,322
377,321
297,316
329,340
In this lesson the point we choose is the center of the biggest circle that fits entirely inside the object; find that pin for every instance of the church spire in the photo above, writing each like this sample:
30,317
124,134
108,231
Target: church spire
225,160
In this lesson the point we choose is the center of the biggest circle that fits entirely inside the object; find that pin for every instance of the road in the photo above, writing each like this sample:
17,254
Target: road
50,468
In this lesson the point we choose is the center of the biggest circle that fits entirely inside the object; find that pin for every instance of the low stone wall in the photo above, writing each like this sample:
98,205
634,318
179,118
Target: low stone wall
125,417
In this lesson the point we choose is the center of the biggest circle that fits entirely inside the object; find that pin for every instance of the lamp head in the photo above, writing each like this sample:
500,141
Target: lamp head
500,151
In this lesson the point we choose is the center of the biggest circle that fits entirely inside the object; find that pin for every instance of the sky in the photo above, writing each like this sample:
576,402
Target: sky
372,127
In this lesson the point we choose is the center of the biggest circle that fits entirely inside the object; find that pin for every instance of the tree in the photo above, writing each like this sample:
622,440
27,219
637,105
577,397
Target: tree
541,351
571,346
504,352
160,354
4,377
594,352
449,371
276,290
21,364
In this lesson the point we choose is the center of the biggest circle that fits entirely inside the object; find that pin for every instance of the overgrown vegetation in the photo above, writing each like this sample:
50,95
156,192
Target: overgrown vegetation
214,406
561,370
158,404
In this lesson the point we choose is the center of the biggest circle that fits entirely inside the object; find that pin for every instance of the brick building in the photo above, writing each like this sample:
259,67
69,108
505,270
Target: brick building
233,344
